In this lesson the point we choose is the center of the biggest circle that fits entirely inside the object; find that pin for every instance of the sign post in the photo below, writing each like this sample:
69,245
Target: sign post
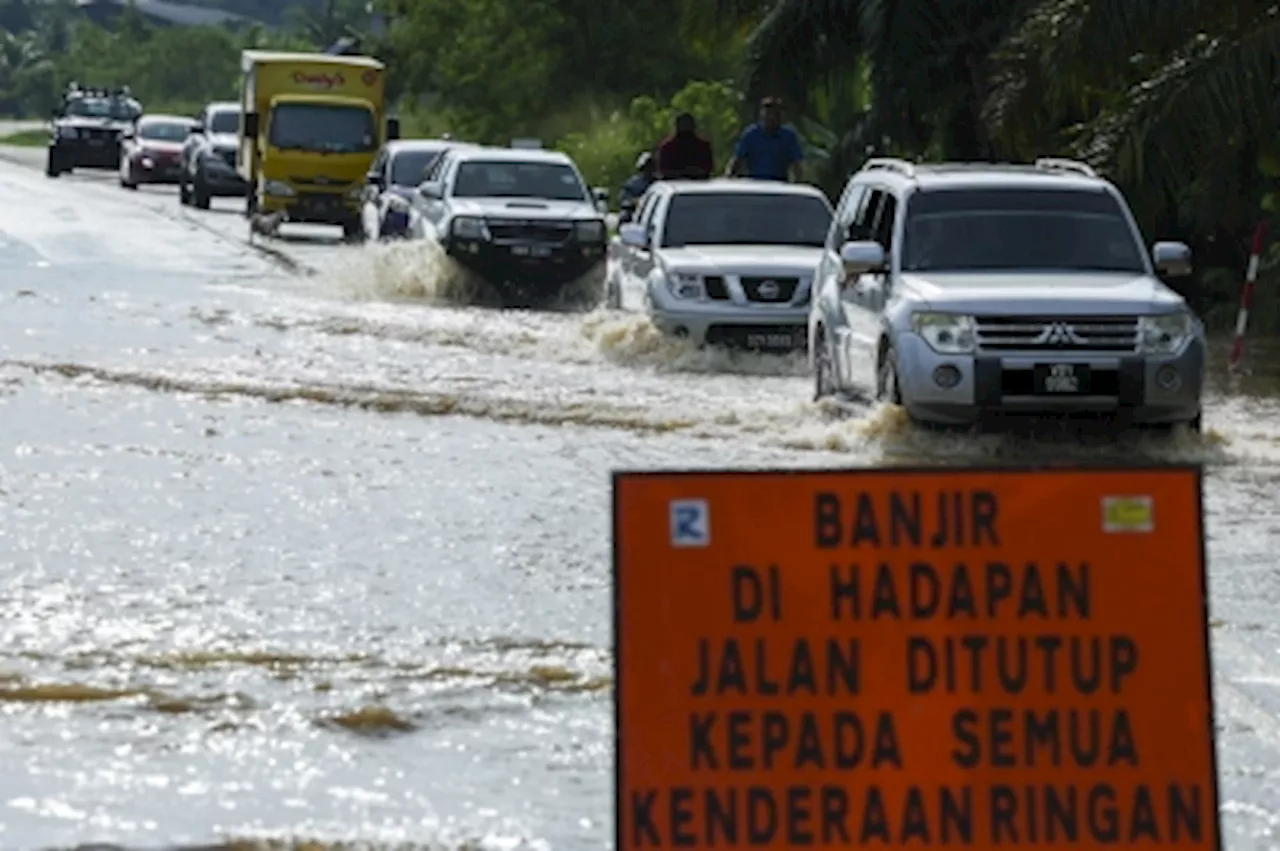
913,657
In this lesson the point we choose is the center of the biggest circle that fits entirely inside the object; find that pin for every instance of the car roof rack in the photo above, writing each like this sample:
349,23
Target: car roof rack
901,166
1064,164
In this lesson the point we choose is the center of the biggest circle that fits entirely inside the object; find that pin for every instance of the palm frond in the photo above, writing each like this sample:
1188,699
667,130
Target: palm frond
800,40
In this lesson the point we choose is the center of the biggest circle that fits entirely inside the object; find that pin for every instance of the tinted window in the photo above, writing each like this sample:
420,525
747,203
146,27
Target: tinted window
963,230
163,131
409,167
554,181
739,218
320,127
224,122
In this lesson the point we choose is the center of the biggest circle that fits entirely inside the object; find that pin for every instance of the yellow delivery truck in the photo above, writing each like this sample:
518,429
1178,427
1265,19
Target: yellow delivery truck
312,124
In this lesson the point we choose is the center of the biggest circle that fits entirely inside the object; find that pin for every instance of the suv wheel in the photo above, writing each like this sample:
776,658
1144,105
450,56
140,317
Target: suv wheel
824,377
887,389
51,167
199,193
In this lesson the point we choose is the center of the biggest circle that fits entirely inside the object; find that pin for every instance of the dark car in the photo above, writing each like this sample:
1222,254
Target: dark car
87,127
208,161
400,167
150,152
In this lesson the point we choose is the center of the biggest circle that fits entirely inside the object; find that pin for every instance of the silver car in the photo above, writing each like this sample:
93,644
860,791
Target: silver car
963,290
724,262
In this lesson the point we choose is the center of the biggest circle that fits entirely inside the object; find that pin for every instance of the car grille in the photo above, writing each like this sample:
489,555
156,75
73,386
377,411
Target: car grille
553,232
1058,333
770,290
97,133
228,156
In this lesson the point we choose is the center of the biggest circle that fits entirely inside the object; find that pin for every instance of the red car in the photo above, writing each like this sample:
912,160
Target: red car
151,151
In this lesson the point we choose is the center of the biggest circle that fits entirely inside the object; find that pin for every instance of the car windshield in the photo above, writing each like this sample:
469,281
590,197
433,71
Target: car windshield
746,218
322,127
409,167
1044,230
163,131
553,181
224,122
115,109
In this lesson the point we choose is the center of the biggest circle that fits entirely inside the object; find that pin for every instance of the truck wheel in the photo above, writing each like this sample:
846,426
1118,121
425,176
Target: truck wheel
51,167
200,193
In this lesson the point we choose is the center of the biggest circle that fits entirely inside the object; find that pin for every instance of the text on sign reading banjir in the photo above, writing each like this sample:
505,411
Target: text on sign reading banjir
722,811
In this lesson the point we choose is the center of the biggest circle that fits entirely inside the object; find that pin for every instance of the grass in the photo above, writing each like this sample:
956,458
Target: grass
27,138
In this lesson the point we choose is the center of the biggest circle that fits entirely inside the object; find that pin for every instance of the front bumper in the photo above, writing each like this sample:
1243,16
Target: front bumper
314,208
160,171
1137,387
775,328
549,265
86,153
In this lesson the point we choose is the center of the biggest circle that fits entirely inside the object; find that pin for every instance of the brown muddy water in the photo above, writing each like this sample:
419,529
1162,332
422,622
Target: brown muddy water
324,558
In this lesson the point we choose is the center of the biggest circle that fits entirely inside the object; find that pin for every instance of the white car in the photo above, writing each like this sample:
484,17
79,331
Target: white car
523,220
724,262
392,181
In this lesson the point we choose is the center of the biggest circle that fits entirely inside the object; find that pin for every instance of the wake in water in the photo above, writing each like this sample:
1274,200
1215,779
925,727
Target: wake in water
419,270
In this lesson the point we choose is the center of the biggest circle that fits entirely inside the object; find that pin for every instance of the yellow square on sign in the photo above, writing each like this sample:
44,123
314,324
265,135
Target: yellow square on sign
1128,514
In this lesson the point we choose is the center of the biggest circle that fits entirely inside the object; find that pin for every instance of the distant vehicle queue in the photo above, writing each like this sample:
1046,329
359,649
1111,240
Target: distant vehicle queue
957,291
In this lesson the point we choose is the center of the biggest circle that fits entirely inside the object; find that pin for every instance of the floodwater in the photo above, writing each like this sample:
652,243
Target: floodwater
322,557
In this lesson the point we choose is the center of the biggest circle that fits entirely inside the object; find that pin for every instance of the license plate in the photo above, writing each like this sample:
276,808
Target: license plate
1062,379
530,251
771,341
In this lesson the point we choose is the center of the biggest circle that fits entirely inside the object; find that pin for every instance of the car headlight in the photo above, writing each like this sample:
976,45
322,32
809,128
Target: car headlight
276,187
685,286
397,204
469,227
592,231
1164,334
946,333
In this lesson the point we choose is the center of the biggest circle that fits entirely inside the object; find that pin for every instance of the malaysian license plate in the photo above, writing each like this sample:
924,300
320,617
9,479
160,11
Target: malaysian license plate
779,340
530,251
1062,379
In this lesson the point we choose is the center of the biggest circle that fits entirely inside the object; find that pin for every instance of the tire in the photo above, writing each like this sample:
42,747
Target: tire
184,192
199,193
353,230
51,167
887,389
824,373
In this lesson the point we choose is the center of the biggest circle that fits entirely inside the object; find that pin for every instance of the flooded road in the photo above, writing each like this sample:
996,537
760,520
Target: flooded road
326,556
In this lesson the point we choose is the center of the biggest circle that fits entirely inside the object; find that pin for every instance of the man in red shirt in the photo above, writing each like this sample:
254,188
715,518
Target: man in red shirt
684,155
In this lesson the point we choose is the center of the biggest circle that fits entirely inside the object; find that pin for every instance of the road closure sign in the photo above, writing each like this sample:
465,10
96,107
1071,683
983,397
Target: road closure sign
913,659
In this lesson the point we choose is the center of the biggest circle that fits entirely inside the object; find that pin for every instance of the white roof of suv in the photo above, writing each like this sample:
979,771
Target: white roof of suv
1046,173
738,184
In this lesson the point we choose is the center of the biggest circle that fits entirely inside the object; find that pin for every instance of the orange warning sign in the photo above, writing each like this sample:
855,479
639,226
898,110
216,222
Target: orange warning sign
889,657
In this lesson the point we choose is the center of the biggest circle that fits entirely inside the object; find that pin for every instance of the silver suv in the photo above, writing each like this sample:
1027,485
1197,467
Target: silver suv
958,290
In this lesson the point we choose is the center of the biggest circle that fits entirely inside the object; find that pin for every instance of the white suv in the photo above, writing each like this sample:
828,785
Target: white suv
961,290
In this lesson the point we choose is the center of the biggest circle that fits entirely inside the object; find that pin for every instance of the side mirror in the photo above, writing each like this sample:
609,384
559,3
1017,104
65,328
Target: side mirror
373,178
55,113
862,257
196,130
251,124
633,236
1172,259
601,194
393,129
431,190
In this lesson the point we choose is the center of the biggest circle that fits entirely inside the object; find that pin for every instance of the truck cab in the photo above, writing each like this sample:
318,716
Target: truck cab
312,126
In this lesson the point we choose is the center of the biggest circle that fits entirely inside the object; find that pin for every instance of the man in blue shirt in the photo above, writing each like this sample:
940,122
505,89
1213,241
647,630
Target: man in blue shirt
767,150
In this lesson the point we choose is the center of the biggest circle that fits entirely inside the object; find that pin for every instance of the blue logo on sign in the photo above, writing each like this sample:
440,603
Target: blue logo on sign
690,523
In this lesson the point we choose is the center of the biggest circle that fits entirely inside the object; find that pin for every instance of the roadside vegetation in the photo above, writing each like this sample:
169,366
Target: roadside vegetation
1173,99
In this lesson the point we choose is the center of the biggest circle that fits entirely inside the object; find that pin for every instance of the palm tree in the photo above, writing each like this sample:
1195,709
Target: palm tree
1175,99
